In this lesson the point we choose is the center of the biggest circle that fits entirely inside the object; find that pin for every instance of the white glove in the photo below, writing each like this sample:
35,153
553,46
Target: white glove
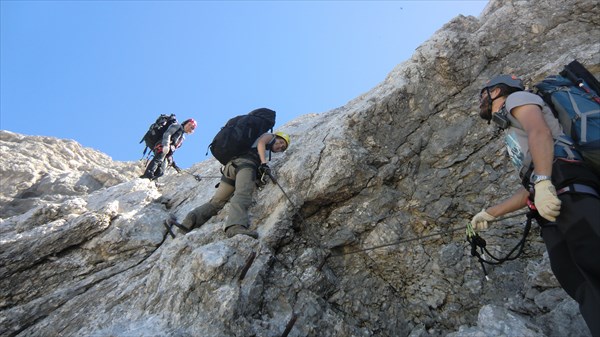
546,202
480,220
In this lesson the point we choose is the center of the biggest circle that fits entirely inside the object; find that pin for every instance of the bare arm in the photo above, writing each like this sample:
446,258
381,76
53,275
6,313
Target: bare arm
515,202
541,146
541,143
261,146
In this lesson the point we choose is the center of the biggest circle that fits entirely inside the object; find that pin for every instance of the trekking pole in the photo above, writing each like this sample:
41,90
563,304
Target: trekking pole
146,158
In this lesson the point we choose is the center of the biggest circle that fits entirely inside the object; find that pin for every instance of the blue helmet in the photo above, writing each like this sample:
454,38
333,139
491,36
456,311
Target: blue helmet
509,80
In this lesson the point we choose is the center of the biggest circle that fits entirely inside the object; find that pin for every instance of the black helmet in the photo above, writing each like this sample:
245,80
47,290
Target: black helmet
509,80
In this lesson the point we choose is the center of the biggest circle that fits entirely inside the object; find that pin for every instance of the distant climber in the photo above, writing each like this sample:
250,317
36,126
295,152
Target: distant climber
166,145
240,175
557,186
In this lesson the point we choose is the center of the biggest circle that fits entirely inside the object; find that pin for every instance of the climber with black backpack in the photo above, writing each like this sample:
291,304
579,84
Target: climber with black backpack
559,187
163,138
241,146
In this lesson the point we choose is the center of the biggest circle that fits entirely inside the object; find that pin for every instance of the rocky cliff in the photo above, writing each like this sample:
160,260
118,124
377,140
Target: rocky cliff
84,252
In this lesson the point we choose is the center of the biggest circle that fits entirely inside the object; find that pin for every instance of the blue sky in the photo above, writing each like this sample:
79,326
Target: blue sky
99,72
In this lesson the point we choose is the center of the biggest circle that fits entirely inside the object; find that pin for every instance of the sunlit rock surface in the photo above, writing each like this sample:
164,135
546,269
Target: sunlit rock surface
84,252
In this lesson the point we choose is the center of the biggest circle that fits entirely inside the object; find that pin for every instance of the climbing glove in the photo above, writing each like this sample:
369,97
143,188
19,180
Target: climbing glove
480,220
546,202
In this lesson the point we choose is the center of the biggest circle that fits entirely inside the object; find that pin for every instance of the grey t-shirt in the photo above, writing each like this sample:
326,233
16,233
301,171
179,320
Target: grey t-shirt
174,135
516,138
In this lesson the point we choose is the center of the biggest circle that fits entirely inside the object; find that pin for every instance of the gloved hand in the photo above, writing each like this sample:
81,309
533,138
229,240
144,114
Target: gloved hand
263,170
546,202
480,220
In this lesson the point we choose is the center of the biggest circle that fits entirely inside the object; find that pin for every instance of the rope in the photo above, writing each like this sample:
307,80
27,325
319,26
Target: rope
199,177
470,234
398,242
469,231
477,241
312,237
282,190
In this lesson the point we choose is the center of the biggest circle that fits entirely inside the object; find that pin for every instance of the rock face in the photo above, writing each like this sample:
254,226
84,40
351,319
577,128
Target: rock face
84,252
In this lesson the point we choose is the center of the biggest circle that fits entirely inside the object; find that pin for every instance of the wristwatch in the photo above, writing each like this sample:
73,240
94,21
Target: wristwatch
537,178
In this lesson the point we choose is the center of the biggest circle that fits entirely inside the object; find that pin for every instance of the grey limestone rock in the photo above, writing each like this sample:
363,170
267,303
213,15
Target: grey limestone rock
84,251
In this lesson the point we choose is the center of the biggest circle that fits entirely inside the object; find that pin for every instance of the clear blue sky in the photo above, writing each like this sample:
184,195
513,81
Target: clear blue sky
99,72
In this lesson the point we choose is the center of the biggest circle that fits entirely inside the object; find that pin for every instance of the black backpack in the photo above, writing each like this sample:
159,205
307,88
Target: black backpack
240,132
156,130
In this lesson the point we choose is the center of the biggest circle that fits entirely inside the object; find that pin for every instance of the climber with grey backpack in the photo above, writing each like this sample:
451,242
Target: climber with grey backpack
163,137
559,185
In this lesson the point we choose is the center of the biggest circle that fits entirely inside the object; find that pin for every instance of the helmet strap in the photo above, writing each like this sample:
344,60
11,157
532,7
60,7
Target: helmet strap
270,143
489,93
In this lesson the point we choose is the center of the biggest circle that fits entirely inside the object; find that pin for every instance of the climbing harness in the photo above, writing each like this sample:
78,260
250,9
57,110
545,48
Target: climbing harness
477,241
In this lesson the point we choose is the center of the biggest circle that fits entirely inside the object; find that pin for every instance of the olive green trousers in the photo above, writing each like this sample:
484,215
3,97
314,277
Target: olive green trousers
237,186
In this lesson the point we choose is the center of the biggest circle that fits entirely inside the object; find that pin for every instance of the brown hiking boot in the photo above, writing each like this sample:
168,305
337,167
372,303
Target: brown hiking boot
239,229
